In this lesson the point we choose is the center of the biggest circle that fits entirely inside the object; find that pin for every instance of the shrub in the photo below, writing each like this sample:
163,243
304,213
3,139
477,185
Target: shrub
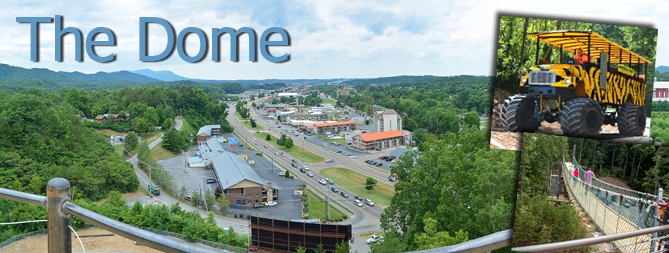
303,185
345,216
259,154
304,199
235,216
287,174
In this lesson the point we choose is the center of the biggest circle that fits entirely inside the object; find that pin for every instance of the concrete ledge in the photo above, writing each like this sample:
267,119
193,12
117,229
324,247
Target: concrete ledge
582,214
590,228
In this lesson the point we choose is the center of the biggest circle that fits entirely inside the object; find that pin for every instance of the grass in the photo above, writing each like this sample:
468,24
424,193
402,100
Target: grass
486,124
159,153
118,149
339,204
329,101
368,234
148,138
187,127
239,116
340,141
354,182
143,190
248,125
318,208
295,151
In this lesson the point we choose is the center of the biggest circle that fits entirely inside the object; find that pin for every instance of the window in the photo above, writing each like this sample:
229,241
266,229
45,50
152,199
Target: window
248,195
257,194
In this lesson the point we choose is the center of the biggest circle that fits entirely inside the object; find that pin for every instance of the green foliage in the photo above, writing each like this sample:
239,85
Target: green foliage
37,185
287,175
432,239
175,141
370,183
253,123
131,140
144,155
458,181
223,203
343,247
167,124
289,143
209,199
268,138
301,249
391,244
282,141
196,198
540,221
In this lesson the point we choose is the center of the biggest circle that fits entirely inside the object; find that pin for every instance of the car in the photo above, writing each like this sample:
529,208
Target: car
355,156
294,165
338,144
375,239
265,146
368,161
211,181
379,164
294,160
373,163
283,173
276,123
276,153
329,161
338,151
369,202
347,154
322,181
330,181
188,198
310,174
271,203
241,145
306,167
334,189
303,170
358,197
278,127
257,205
349,143
282,154
344,194
357,203
392,179
257,131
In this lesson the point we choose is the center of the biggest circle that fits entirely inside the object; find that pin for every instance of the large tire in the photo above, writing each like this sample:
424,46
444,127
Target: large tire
518,114
631,120
581,117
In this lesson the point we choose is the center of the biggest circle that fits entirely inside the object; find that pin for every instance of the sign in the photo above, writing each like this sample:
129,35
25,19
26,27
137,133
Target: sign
232,141
625,70
246,157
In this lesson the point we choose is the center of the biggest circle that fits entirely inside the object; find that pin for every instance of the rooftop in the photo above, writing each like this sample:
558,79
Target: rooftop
207,129
381,135
335,123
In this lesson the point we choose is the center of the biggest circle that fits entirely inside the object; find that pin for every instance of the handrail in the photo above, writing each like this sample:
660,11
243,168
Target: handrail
566,245
482,244
60,210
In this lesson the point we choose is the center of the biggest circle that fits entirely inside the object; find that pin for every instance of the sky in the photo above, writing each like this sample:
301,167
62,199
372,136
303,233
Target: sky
329,39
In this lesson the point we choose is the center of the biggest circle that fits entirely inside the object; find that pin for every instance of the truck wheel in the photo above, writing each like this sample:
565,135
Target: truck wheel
518,114
581,117
631,120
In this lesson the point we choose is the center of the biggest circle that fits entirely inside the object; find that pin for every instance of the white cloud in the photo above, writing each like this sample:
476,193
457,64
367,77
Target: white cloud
329,38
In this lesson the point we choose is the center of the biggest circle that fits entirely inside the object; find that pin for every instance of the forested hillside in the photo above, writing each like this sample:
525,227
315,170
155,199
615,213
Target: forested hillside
12,73
516,52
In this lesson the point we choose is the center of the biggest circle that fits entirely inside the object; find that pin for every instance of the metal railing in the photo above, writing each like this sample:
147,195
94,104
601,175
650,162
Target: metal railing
482,244
60,211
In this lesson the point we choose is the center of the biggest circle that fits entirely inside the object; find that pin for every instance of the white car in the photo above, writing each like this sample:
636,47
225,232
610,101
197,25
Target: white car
323,181
306,168
283,173
375,239
310,174
355,156
271,203
357,203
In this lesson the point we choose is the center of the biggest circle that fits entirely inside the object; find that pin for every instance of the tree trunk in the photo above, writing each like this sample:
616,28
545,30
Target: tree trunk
613,157
522,48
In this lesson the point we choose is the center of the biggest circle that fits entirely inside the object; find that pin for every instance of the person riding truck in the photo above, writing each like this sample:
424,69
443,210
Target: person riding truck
580,58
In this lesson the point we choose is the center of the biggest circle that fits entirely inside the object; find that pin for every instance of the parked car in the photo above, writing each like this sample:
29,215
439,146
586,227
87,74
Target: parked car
257,205
373,163
344,194
257,131
323,181
329,161
347,154
337,144
303,170
392,179
310,174
358,197
338,151
278,127
334,189
306,167
357,203
283,173
355,156
369,202
379,164
271,203
188,198
211,181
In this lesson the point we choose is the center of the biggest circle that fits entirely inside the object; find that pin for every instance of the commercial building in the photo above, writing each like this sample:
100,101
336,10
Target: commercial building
660,91
387,120
235,178
207,132
379,141
374,108
334,127
308,116
343,92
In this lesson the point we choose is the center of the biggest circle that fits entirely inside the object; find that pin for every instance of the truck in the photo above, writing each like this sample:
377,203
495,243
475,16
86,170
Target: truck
252,162
581,97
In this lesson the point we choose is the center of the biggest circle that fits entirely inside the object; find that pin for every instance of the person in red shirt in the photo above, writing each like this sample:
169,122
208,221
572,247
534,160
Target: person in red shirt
575,174
580,58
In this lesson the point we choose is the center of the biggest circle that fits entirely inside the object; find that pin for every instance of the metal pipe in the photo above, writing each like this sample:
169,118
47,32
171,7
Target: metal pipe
147,238
482,244
566,245
23,197
59,236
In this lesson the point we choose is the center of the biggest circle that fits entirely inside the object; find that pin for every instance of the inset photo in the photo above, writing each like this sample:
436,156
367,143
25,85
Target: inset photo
573,78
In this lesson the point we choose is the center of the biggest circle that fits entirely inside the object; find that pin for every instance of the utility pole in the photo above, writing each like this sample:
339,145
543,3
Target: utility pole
328,203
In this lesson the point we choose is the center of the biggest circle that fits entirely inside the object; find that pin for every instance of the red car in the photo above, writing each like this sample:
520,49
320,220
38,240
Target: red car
358,197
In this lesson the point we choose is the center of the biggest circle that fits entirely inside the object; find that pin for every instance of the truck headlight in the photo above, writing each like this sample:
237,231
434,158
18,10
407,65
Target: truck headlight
567,81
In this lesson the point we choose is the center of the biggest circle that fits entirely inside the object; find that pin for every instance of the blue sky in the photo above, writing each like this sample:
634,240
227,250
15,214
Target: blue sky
330,39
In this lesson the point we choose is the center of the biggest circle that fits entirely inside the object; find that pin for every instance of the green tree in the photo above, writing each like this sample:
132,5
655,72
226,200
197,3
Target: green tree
320,249
167,124
472,119
144,155
391,244
223,203
253,123
36,185
209,199
282,140
343,247
131,141
142,125
287,175
183,191
369,184
268,138
289,143
432,239
299,249
366,122
196,198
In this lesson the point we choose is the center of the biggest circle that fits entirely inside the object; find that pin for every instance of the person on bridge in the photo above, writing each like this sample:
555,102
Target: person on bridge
589,175
575,174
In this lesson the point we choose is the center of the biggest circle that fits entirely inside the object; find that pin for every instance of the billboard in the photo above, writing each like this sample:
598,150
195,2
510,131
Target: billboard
273,235
232,141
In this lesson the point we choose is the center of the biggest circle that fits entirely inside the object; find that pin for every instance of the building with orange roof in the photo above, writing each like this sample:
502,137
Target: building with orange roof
334,127
379,141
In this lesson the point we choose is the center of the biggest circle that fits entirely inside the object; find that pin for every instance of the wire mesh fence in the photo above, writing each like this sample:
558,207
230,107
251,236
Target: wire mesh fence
611,210
205,242
33,233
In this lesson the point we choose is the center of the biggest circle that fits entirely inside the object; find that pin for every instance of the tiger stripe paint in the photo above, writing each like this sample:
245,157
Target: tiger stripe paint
618,87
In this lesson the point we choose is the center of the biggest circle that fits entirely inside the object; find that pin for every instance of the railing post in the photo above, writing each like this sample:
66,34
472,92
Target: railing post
656,218
59,235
